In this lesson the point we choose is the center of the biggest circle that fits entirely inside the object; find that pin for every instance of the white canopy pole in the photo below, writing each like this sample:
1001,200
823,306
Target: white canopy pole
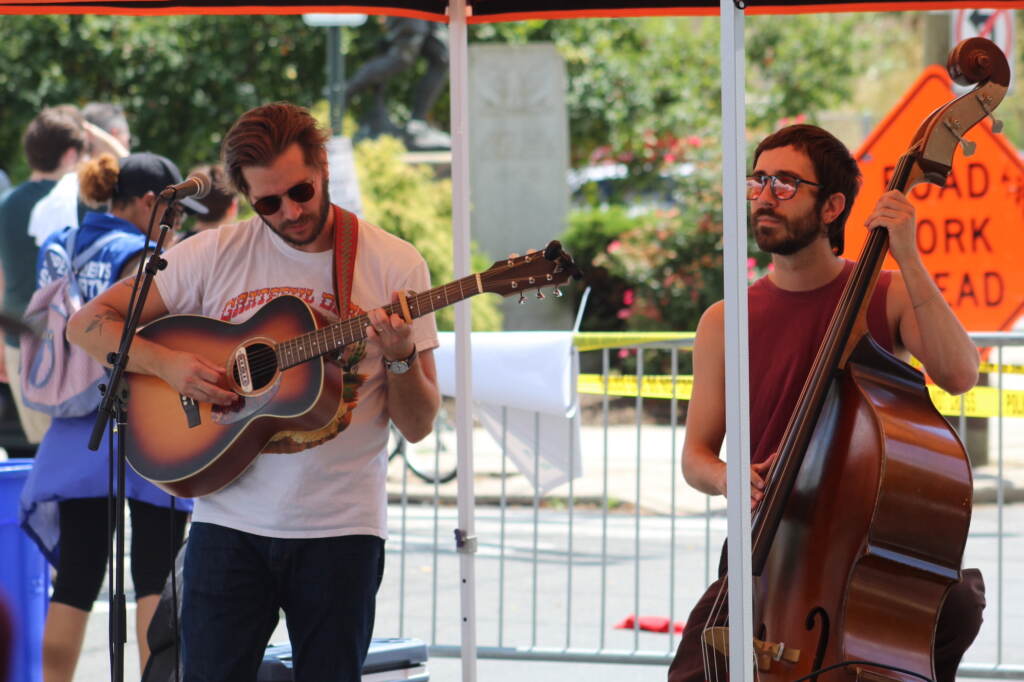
737,413
458,45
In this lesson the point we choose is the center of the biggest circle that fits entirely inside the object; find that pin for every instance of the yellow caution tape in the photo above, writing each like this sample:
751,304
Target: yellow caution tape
984,368
585,341
1007,369
981,401
588,341
654,386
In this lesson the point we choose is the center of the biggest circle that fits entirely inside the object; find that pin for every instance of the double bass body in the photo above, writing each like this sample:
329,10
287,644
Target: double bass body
873,532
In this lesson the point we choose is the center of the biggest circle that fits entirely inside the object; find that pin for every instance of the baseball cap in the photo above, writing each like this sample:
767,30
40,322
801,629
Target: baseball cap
145,172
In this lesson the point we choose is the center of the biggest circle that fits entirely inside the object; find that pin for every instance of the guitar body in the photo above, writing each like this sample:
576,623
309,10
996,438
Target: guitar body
191,461
191,449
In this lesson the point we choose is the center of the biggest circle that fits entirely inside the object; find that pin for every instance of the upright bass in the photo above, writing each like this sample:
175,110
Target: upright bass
865,514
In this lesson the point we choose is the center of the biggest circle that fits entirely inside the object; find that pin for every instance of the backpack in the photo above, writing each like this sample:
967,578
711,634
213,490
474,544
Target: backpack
58,378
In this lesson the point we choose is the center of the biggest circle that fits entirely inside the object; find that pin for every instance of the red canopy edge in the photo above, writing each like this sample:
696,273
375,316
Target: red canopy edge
483,11
201,7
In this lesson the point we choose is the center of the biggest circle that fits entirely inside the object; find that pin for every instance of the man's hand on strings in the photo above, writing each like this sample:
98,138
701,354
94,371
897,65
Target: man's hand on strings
391,332
896,214
758,476
758,479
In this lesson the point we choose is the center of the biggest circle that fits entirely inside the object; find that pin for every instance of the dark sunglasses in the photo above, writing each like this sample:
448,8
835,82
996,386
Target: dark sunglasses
300,194
783,187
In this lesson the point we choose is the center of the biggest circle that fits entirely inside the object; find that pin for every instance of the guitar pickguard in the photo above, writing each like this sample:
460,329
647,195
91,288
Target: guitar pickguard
245,407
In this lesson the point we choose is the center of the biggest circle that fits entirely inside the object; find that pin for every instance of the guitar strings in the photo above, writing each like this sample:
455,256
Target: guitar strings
352,329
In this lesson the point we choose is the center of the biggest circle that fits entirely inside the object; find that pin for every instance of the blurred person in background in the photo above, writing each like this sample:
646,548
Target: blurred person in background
54,142
106,130
221,203
64,501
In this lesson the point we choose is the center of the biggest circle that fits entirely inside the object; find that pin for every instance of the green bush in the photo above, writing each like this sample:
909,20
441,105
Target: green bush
407,201
655,268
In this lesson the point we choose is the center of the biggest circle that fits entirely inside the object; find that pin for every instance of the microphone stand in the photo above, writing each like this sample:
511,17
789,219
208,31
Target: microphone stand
113,406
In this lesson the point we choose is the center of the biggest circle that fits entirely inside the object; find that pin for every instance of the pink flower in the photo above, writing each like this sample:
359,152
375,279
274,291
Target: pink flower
614,246
623,313
628,297
751,264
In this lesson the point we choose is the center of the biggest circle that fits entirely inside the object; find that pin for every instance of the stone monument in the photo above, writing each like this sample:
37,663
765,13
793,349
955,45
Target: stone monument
519,159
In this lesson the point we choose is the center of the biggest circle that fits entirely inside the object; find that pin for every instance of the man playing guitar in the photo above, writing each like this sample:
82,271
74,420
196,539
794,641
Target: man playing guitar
300,532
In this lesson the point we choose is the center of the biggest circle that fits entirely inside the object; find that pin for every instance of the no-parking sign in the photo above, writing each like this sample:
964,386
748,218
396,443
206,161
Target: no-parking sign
994,24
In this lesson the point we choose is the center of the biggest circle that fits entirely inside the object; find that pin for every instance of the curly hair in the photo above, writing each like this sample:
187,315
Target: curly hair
97,180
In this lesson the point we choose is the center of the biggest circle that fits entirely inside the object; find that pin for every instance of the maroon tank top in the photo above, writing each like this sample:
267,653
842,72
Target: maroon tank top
786,330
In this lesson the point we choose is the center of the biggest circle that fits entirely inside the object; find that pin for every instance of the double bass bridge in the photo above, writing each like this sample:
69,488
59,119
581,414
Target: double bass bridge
765,653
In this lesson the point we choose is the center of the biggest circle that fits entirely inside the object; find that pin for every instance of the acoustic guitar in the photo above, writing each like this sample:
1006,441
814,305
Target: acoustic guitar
277,364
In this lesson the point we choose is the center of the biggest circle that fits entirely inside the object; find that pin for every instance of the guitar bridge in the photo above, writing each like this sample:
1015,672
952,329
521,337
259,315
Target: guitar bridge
191,408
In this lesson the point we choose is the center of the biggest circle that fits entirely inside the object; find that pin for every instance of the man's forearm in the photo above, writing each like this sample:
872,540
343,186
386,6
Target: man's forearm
97,329
413,402
948,354
704,472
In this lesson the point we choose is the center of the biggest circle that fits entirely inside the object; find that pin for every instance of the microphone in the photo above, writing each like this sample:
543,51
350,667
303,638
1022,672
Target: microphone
197,185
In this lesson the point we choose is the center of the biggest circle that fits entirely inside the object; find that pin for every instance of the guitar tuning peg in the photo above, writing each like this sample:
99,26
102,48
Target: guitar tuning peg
522,297
557,292
540,294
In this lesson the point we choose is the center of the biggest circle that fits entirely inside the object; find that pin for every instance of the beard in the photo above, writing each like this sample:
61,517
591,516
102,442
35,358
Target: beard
320,220
791,236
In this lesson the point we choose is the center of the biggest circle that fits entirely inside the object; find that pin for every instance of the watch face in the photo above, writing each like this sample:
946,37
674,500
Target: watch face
398,367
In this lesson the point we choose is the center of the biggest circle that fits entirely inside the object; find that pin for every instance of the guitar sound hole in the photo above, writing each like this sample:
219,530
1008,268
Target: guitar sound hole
262,364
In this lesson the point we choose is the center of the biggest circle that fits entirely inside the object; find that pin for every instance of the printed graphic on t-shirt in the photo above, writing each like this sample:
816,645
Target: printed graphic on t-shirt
347,362
257,298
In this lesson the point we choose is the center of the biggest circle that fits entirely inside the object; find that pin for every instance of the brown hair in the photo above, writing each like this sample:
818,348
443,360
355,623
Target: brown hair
97,180
836,169
218,201
50,134
262,134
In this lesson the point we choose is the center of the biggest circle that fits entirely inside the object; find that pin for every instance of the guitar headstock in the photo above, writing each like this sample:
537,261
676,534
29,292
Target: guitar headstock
973,61
551,267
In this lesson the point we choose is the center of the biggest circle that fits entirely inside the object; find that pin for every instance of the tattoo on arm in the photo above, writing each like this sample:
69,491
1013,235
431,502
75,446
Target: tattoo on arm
99,320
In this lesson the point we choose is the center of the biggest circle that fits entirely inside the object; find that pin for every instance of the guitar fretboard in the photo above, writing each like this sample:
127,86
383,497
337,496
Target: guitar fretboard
333,337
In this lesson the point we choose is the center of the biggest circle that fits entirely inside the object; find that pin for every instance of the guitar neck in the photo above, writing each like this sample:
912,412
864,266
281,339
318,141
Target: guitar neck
336,336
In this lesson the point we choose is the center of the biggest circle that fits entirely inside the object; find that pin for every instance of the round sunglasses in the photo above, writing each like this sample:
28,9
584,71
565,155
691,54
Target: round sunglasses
300,193
783,186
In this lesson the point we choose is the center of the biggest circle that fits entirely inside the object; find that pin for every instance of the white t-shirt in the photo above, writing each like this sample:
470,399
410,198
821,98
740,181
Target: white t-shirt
337,488
57,210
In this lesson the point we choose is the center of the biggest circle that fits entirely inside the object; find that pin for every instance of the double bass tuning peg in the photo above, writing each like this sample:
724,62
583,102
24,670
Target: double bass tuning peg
997,125
954,128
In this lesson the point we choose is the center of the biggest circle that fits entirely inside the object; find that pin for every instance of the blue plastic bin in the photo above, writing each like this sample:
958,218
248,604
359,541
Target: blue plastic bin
24,577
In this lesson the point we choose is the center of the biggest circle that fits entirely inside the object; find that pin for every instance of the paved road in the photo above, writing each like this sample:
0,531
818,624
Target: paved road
529,604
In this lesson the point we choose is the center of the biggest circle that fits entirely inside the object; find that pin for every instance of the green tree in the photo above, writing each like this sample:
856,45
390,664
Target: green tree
181,79
408,201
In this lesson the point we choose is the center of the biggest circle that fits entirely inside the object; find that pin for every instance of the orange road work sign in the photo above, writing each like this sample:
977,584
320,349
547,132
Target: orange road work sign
971,232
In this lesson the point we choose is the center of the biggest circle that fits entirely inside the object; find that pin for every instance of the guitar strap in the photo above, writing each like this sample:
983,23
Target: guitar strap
346,240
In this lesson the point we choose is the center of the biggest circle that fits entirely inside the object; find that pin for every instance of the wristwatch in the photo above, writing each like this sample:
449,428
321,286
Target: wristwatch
400,366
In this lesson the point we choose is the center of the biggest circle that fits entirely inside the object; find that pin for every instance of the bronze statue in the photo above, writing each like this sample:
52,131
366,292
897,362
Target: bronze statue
406,40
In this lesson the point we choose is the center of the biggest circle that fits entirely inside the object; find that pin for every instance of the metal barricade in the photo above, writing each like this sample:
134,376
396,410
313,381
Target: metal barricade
580,574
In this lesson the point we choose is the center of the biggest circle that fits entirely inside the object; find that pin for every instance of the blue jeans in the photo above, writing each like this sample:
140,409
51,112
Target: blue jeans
235,583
